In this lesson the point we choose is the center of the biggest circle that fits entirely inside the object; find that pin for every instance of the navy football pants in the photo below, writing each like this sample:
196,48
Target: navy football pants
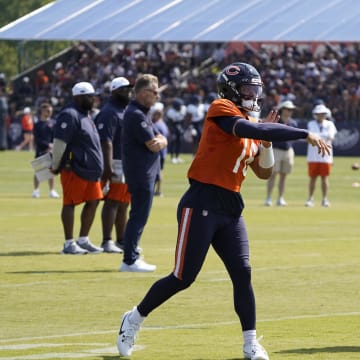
141,202
198,229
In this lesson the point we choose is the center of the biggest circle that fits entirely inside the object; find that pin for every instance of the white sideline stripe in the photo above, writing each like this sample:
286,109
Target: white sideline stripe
44,345
184,326
82,354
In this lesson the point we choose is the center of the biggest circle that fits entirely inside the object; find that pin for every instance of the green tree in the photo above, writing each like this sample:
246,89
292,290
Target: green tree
18,56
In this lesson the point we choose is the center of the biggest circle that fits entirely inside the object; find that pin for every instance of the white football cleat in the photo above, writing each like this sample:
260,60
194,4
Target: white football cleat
127,335
254,351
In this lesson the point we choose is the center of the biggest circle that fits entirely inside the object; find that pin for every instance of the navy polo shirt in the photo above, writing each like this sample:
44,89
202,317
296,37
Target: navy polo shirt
139,163
83,149
43,136
285,145
109,123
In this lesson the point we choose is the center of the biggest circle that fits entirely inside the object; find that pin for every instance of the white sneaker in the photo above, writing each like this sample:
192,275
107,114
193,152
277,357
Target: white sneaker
73,249
127,335
254,351
90,247
174,160
268,202
36,194
53,194
281,202
110,247
325,203
309,203
138,266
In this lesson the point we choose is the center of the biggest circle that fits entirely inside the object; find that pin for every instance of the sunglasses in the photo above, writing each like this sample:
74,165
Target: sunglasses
155,92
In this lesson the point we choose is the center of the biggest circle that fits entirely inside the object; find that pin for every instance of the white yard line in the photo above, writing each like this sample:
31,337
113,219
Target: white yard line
183,326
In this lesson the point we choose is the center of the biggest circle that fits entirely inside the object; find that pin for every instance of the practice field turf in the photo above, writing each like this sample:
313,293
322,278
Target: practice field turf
306,276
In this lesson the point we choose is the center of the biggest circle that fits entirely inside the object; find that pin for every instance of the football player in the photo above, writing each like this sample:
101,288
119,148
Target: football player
210,211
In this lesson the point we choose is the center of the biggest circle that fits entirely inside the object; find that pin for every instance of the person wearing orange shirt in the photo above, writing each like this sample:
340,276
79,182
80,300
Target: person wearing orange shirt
210,211
27,125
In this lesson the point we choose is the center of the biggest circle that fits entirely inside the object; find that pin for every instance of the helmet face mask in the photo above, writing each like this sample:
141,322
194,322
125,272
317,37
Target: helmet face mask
241,83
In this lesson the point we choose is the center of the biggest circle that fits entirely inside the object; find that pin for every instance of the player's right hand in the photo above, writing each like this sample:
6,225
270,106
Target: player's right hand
315,140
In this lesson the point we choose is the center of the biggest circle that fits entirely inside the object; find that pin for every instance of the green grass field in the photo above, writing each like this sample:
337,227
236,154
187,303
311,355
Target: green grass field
306,276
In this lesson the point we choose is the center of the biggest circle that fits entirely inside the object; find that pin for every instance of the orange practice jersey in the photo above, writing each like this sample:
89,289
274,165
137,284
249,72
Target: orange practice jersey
27,123
222,159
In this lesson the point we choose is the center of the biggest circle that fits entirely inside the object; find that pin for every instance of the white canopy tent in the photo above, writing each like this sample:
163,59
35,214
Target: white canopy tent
191,21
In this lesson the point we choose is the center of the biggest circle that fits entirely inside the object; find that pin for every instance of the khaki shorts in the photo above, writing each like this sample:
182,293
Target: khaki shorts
284,160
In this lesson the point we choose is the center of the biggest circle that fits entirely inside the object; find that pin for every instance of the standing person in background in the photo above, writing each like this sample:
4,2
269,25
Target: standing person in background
175,115
283,154
109,123
320,165
195,113
141,146
43,140
27,125
78,157
210,211
3,113
157,112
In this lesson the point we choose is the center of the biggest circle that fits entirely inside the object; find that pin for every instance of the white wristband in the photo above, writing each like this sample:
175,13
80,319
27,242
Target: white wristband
266,157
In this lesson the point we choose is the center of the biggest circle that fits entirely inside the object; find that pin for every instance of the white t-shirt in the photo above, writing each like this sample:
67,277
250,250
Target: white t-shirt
197,112
176,116
327,131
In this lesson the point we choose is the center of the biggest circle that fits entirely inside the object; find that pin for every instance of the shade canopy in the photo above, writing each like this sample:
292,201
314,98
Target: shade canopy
190,21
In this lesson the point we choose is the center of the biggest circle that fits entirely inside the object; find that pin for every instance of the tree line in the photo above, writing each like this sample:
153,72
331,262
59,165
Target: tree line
18,56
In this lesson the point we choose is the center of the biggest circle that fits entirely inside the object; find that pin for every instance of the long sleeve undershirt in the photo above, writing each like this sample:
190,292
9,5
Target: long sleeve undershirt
259,131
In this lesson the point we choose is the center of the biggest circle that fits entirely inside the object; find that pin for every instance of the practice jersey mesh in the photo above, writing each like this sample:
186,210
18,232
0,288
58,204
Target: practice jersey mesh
222,159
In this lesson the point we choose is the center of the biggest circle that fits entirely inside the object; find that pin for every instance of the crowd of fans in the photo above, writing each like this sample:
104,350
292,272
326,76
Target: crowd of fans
290,72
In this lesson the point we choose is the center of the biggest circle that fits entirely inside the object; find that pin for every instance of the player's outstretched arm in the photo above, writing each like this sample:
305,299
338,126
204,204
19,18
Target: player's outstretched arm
315,140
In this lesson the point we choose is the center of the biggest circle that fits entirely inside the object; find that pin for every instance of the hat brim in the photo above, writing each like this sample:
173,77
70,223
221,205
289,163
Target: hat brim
123,87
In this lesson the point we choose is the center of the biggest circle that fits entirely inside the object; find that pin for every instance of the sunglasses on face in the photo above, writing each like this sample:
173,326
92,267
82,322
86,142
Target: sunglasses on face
155,92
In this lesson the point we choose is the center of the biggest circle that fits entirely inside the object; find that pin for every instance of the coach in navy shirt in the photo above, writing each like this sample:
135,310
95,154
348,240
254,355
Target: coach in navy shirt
141,146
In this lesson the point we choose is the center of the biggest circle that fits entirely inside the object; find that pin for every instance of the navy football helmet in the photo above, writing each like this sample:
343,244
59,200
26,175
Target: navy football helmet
241,83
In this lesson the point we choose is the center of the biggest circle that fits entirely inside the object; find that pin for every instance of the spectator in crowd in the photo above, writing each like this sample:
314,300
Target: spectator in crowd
78,157
43,140
109,123
210,211
174,116
291,72
27,126
209,99
157,112
283,154
3,114
41,80
141,146
26,92
320,166
195,112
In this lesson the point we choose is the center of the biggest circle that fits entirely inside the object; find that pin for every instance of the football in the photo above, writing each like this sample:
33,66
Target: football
355,166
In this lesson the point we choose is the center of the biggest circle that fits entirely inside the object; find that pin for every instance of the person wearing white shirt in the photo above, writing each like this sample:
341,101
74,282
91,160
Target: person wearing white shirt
195,114
174,116
320,165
